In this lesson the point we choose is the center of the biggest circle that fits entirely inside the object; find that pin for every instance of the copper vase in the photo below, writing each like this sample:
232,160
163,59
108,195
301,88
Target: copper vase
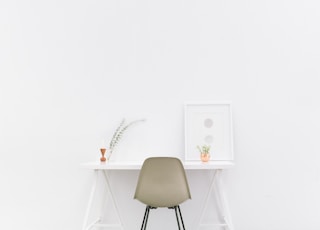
205,157
103,152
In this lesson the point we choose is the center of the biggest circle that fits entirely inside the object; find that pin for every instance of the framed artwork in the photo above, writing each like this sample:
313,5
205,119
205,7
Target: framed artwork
208,124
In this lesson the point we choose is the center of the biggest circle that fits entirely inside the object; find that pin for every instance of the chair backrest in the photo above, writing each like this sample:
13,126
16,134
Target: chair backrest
162,182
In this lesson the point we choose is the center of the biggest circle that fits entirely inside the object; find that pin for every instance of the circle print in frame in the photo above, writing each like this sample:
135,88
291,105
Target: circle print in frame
208,123
208,139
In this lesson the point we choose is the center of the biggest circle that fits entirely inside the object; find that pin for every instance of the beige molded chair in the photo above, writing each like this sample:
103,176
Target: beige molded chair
162,183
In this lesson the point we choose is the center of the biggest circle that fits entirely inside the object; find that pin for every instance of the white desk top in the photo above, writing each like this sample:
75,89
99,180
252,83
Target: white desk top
136,165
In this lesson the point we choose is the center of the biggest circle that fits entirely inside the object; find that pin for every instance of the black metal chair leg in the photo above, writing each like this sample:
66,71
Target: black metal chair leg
181,217
145,218
175,209
178,216
146,221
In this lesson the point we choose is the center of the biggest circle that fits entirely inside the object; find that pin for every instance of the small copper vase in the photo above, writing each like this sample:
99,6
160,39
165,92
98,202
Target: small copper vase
103,152
205,157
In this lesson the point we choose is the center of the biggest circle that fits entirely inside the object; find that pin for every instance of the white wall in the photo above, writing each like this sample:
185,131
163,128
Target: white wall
70,70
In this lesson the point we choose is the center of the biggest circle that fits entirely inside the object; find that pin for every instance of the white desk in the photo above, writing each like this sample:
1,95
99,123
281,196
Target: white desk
216,188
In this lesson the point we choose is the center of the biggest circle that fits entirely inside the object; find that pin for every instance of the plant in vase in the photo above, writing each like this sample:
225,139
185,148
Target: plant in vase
119,133
204,152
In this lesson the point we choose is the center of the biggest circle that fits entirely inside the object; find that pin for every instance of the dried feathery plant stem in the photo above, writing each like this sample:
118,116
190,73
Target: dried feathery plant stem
112,142
119,133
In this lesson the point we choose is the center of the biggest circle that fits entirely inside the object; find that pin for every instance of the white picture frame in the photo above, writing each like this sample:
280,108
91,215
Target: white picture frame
208,123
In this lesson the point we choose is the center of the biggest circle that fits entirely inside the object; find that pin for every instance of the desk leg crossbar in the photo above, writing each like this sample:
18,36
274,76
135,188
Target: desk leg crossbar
216,187
97,221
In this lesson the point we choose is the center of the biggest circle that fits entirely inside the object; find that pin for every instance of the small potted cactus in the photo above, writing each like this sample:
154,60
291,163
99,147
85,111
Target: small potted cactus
204,152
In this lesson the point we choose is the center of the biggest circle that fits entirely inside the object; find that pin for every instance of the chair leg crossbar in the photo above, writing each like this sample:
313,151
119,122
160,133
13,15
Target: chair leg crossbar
176,209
